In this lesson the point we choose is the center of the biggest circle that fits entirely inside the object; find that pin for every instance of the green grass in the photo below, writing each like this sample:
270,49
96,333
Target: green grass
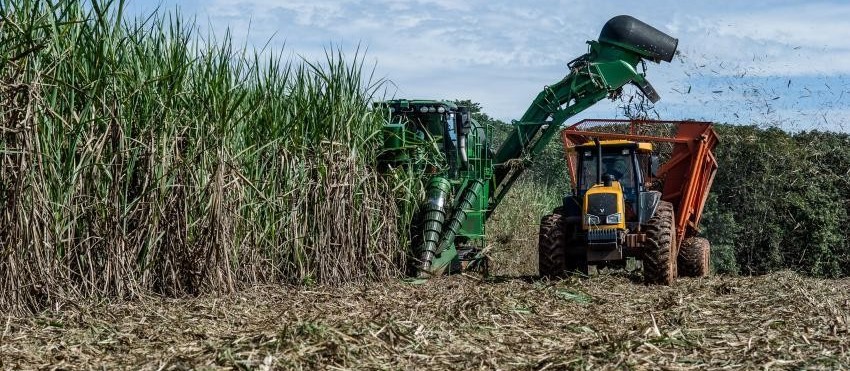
514,227
139,156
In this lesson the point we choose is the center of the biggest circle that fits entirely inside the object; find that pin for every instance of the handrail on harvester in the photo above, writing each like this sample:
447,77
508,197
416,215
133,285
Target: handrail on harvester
687,175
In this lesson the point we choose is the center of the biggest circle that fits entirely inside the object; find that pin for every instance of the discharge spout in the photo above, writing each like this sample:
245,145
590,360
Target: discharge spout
631,34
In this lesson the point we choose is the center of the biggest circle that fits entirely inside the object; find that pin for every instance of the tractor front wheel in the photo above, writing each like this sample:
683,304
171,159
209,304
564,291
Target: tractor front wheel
659,259
694,256
552,246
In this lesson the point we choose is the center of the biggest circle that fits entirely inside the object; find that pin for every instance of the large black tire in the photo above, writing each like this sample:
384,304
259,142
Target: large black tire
659,259
694,257
552,246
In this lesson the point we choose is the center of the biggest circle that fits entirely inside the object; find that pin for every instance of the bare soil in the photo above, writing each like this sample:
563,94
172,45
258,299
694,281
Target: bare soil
778,321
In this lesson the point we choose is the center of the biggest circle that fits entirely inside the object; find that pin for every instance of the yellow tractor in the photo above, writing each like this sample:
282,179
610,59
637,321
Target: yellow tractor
625,205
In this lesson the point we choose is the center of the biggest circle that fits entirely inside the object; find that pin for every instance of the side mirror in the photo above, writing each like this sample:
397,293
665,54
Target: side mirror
654,165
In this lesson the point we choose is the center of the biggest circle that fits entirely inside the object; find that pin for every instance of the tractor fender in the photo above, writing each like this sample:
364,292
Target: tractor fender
571,207
648,203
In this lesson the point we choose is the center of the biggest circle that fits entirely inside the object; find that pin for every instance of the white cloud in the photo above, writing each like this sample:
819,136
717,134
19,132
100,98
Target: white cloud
501,52
800,39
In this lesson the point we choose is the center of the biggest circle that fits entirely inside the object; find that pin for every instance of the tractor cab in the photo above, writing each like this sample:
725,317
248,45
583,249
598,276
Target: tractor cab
611,195
612,174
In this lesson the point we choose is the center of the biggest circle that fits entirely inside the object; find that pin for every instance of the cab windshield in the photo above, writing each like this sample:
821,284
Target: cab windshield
615,163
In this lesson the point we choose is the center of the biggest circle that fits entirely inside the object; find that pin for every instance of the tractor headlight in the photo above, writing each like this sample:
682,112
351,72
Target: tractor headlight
614,218
441,109
423,109
592,219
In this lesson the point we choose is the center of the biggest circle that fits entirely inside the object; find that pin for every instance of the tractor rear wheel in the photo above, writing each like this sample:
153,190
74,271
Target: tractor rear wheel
659,259
694,257
552,246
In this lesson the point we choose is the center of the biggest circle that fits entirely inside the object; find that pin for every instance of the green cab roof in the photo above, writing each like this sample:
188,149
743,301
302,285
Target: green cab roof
407,103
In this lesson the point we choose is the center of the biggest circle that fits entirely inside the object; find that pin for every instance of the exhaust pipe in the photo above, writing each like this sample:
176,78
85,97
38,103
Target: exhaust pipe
598,160
461,146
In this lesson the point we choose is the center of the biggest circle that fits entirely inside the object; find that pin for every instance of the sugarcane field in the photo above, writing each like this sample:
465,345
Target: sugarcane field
426,185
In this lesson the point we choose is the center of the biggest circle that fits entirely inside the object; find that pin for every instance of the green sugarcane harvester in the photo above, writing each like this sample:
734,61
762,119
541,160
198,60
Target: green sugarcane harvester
466,179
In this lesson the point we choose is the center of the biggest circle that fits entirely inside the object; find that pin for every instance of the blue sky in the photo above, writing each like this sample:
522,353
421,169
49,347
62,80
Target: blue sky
782,63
